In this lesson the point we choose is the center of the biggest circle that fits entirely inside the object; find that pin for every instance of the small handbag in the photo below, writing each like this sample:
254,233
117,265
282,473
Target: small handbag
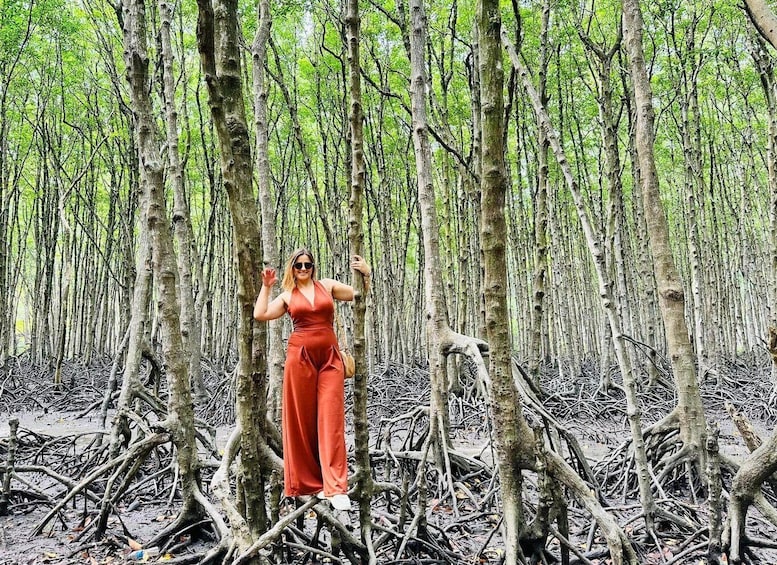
348,361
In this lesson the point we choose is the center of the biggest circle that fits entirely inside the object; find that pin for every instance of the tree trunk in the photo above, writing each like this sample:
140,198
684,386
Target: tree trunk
130,383
763,19
219,44
364,483
434,286
180,418
615,234
473,194
9,191
188,261
540,202
593,242
647,315
269,243
689,411
691,64
508,423
765,64
761,464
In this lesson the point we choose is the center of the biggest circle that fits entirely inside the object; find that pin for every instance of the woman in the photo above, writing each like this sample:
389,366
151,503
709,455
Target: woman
313,423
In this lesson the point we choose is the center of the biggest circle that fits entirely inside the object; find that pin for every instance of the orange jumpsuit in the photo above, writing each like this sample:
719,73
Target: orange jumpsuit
314,455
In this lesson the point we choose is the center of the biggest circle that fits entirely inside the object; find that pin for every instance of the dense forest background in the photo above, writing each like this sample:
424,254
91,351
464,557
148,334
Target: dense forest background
68,176
548,193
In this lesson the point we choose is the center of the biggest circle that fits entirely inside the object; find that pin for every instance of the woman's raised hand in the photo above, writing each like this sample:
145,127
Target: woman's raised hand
359,264
269,276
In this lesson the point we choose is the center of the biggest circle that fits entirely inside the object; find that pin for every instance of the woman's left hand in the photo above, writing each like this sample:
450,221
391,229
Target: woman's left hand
359,264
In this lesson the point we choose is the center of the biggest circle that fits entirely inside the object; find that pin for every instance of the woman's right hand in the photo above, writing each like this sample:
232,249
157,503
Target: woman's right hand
269,277
264,309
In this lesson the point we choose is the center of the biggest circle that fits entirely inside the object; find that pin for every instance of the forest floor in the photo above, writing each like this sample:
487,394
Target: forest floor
58,427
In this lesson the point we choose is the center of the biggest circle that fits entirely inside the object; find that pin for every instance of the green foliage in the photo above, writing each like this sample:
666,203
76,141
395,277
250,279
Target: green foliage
62,74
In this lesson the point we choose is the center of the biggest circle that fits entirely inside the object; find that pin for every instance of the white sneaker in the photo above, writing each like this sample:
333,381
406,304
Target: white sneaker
340,502
321,495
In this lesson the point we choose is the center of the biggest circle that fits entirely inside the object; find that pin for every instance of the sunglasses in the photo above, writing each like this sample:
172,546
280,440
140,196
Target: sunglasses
300,266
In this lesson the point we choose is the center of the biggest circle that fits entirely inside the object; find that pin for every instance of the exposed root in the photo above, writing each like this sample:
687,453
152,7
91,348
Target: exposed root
421,513
275,532
138,450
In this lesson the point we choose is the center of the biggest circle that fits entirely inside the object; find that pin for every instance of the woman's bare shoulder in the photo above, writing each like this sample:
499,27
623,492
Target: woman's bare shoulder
328,284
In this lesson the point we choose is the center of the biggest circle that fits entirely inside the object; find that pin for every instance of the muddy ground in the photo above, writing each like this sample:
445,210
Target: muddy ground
58,425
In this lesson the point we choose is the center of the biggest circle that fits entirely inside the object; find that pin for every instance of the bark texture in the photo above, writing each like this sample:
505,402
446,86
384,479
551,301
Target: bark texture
746,486
364,483
764,19
434,286
180,417
689,411
269,244
188,261
219,44
510,428
540,201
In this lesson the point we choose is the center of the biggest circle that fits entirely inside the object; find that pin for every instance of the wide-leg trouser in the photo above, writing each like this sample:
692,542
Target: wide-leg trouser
314,454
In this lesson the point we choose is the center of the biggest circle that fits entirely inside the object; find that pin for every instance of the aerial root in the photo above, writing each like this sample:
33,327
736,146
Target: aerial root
137,450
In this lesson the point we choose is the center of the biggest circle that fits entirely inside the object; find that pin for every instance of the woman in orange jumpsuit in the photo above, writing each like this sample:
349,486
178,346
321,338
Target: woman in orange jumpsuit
313,423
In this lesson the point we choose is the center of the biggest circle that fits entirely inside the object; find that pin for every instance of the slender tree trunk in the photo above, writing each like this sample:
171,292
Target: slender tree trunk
540,202
691,64
219,44
765,64
647,315
138,279
66,275
180,418
182,225
605,292
473,192
9,191
269,241
434,286
364,483
5,226
46,236
615,231
689,410
508,421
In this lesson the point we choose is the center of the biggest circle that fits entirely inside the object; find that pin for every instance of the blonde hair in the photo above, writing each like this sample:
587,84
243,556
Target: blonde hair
289,282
